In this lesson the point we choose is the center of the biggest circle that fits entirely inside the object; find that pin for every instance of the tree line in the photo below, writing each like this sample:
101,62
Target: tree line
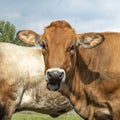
8,33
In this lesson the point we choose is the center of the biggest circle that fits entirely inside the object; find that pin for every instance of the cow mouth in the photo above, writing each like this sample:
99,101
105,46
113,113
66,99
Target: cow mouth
53,86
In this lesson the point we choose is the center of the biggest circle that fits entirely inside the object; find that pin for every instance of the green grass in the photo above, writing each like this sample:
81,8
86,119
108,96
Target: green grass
35,116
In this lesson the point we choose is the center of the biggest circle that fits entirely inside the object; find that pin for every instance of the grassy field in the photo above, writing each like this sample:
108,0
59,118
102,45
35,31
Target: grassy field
36,116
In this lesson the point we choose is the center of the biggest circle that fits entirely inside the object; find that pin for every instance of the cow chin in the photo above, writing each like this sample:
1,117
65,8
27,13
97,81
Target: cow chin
53,86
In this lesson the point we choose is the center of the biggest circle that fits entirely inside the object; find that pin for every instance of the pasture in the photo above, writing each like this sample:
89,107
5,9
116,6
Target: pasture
37,116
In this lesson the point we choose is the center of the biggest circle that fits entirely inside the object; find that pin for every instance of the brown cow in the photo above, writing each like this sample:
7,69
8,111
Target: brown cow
22,84
84,67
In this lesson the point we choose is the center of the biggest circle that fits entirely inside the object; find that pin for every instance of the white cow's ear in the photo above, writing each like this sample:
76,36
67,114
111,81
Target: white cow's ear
90,40
29,37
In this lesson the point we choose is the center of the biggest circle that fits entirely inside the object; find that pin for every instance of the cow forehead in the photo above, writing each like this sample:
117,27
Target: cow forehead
64,34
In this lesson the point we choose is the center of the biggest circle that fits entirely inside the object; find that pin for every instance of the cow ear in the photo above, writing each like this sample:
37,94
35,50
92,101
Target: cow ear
90,40
29,37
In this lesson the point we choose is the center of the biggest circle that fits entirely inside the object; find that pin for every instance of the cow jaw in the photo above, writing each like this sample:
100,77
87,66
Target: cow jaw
54,78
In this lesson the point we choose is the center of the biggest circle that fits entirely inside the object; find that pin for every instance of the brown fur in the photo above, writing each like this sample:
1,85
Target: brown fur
93,81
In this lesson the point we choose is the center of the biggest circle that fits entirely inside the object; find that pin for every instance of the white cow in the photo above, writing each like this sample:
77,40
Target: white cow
22,84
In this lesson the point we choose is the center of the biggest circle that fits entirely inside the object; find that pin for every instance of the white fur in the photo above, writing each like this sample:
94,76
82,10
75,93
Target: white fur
22,68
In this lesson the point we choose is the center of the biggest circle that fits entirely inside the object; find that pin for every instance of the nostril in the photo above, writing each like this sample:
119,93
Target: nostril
49,75
61,75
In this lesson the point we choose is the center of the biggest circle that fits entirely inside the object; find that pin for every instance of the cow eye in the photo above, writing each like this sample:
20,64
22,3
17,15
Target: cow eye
72,47
43,45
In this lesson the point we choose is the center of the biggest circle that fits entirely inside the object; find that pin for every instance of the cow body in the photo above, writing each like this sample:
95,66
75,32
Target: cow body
83,67
22,85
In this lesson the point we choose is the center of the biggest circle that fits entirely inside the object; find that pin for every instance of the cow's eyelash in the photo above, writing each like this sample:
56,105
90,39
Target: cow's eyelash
43,45
72,47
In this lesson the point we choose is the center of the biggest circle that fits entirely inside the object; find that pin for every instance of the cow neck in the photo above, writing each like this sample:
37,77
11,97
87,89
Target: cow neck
80,77
75,85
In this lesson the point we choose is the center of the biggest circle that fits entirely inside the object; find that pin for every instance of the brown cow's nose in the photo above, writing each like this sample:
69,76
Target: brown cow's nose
55,75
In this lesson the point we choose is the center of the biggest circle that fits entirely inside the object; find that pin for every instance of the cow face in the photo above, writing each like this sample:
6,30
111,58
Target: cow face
59,45
59,50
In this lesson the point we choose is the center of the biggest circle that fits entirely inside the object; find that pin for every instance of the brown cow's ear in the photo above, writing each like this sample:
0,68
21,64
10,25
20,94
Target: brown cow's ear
90,40
28,36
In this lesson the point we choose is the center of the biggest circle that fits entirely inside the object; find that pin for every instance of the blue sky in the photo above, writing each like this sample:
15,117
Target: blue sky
83,15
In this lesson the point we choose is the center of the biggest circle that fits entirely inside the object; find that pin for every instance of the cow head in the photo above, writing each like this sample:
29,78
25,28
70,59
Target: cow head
59,43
